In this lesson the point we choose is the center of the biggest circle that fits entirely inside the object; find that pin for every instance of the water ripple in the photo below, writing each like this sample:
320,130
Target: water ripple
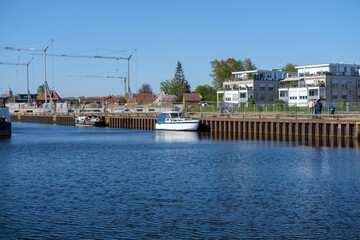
63,182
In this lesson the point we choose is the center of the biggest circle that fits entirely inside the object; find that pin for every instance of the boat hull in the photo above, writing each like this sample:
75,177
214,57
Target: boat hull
88,122
5,129
5,122
178,126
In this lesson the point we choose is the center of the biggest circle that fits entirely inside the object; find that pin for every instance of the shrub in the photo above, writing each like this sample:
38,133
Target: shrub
343,102
251,102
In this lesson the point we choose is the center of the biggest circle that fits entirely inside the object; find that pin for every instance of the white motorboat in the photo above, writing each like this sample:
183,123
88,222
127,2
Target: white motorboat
176,121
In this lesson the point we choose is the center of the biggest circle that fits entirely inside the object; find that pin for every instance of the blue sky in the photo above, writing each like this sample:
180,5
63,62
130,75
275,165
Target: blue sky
270,33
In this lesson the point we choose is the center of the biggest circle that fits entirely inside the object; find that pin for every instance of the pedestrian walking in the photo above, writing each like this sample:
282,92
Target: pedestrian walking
311,106
318,108
331,110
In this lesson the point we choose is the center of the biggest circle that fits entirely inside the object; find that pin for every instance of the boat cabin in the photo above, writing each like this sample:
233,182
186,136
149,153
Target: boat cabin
171,117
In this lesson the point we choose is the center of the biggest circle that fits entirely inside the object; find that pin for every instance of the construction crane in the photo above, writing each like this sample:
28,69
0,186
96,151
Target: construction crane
27,74
103,57
94,76
46,86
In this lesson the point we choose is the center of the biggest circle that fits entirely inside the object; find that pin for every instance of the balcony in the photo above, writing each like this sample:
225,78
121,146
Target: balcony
284,98
240,89
297,85
328,74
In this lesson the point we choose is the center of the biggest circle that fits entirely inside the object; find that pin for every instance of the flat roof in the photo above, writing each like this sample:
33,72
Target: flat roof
263,71
328,64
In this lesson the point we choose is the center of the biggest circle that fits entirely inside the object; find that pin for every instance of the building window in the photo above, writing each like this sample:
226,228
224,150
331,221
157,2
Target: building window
343,96
262,88
228,99
242,95
334,83
344,84
293,98
271,88
311,93
303,97
262,98
283,94
334,96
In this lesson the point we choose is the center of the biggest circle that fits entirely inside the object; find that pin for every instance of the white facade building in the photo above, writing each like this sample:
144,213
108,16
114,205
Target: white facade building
331,82
260,85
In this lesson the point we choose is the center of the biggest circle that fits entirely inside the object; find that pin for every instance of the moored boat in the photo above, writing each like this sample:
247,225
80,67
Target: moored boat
5,120
89,121
176,121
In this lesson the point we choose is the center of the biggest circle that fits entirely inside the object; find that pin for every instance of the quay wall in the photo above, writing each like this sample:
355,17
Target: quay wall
309,127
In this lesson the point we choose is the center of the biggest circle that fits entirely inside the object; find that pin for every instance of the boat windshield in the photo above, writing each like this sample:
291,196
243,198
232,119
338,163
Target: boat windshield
174,115
177,115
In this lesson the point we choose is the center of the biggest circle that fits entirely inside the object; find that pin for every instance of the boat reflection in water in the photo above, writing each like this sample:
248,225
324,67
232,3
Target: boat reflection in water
293,141
176,136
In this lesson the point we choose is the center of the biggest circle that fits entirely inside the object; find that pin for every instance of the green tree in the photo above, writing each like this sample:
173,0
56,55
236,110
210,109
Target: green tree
249,65
251,102
122,99
40,89
290,67
221,70
343,102
178,85
207,92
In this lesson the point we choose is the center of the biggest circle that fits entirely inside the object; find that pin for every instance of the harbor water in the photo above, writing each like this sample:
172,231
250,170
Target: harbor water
65,182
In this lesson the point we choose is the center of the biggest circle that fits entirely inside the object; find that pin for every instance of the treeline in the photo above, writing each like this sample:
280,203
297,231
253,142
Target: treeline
221,71
178,85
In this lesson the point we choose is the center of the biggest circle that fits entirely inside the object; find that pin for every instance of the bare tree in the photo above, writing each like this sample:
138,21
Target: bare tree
145,89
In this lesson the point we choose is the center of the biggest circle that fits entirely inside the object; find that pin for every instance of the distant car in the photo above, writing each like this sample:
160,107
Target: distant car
204,104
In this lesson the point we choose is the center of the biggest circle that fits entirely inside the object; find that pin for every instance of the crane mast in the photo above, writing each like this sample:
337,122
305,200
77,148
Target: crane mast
27,74
46,87
103,57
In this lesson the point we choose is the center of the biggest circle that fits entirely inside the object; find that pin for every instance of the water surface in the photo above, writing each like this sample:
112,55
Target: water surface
65,182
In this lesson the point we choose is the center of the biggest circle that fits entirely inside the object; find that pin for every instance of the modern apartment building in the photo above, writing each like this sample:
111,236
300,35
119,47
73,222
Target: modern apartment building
260,85
330,82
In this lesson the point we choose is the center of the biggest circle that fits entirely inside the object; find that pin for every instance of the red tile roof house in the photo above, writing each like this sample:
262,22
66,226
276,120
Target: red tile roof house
54,96
142,98
111,99
191,100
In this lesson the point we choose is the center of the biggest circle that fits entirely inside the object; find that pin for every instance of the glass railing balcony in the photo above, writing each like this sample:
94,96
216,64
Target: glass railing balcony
301,86
239,89
328,73
284,98
251,78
